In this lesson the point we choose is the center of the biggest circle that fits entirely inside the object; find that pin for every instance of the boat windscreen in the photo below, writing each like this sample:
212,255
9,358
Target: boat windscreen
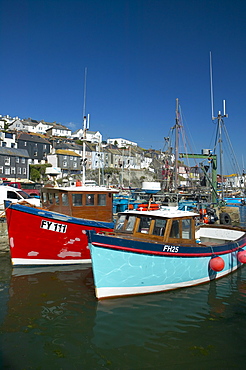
159,227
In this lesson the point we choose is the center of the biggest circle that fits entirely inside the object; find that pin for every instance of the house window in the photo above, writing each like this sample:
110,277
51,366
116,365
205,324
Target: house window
19,170
23,160
4,144
24,171
17,159
64,163
64,157
75,164
12,170
25,143
35,153
12,145
1,170
7,171
8,135
7,161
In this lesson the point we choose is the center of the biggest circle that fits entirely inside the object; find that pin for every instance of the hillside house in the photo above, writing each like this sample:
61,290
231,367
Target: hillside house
14,163
37,147
67,161
59,130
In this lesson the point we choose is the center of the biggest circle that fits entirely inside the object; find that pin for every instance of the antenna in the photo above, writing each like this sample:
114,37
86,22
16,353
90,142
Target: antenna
211,87
84,91
88,122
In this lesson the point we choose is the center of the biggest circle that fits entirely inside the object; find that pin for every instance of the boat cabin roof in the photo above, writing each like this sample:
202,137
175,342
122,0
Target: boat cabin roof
162,213
84,188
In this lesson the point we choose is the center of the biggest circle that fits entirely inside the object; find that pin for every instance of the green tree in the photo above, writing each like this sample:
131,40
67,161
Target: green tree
37,171
34,175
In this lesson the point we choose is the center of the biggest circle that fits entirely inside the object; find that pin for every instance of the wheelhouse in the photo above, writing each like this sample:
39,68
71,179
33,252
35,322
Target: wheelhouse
164,229
92,203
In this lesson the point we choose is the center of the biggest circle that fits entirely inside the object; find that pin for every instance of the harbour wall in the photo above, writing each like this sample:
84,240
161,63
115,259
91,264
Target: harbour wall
4,242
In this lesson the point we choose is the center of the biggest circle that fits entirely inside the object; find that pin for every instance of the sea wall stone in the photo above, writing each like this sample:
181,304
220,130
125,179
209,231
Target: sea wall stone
4,243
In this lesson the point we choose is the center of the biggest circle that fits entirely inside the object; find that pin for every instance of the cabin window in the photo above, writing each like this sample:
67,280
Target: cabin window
64,199
125,223
175,229
120,223
44,196
50,198
89,199
159,227
56,195
130,223
144,224
101,199
12,195
77,200
186,229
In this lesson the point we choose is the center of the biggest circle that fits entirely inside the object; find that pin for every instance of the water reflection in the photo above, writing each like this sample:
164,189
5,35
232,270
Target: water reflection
48,310
51,319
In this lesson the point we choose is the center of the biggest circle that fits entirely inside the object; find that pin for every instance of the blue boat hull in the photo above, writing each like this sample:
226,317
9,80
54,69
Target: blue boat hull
124,267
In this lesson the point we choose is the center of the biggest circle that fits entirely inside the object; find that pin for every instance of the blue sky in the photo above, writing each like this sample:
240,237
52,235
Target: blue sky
140,56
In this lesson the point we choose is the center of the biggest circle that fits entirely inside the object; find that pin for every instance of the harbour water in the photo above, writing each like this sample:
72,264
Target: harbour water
50,319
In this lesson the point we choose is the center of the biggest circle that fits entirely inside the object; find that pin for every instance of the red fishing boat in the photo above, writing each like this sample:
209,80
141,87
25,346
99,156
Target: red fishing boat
56,233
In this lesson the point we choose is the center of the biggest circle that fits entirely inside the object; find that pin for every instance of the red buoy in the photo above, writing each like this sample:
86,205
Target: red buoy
217,264
241,256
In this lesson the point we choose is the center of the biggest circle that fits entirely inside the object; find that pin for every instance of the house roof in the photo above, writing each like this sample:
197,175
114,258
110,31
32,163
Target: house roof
32,137
59,127
71,146
14,152
67,152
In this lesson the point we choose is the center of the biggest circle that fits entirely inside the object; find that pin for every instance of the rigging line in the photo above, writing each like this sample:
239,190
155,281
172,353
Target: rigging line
188,136
186,142
232,150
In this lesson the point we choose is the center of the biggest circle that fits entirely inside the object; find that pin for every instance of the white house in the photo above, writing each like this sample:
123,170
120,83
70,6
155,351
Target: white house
91,136
121,142
8,140
59,130
8,120
43,126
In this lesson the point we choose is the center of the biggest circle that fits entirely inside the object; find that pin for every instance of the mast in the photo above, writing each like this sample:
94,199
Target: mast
176,145
84,131
219,140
